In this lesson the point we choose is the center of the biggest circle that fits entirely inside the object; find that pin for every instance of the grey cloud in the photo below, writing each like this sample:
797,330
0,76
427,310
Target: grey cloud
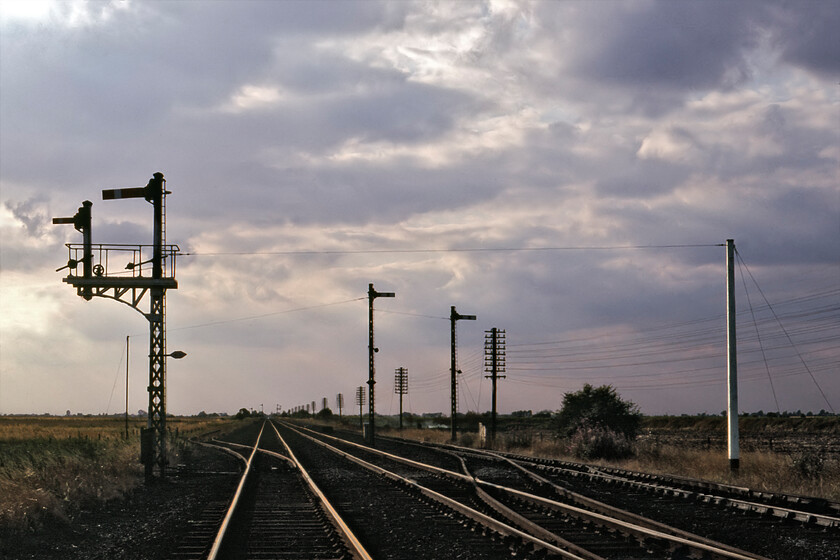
809,38
680,45
32,213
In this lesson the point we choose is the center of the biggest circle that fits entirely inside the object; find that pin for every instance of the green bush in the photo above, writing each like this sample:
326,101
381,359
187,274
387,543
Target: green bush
596,442
598,407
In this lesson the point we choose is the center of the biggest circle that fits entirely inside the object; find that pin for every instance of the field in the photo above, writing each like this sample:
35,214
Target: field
51,466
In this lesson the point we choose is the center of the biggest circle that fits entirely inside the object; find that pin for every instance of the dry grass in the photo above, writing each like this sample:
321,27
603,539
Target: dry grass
51,465
759,470
807,474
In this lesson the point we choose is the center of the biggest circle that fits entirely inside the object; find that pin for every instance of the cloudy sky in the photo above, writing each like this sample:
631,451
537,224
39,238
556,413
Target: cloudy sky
566,171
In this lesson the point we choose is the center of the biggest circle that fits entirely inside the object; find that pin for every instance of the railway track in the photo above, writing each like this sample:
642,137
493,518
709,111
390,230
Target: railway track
276,512
578,532
781,526
304,494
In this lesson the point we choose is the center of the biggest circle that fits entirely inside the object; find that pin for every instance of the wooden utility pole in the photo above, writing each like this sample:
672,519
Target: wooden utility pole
401,388
494,364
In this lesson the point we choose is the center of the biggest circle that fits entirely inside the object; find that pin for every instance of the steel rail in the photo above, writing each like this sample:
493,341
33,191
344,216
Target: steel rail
217,543
688,539
625,526
522,521
344,530
223,448
261,450
632,477
606,509
470,513
737,503
701,488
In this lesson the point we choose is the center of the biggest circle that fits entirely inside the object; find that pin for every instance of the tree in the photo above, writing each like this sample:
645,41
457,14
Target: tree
324,414
598,408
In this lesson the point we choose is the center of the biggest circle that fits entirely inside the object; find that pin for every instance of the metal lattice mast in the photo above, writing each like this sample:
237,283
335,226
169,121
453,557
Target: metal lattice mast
454,316
97,279
372,295
157,380
401,388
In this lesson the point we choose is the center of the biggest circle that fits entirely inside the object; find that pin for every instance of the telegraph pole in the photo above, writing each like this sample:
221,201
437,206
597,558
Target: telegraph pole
401,388
339,403
360,401
372,295
731,361
454,316
494,363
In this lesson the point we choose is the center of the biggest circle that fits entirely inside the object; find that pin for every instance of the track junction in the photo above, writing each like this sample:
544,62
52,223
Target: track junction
310,494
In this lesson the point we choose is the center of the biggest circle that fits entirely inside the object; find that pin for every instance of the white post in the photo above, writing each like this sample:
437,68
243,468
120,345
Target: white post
732,360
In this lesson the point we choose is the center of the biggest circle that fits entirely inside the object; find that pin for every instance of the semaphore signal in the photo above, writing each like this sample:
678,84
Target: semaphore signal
102,277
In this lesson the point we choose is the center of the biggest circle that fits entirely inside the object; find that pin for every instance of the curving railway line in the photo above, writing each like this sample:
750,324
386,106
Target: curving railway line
306,494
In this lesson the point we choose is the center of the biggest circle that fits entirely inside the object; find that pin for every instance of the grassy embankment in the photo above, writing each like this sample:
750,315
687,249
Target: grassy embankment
51,466
808,472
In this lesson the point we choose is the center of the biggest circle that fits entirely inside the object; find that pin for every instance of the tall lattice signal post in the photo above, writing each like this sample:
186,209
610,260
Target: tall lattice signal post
101,277
454,316
494,364
401,388
360,402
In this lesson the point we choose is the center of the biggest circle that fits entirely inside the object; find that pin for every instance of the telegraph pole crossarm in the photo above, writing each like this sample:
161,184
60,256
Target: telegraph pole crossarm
494,363
401,388
454,316
372,295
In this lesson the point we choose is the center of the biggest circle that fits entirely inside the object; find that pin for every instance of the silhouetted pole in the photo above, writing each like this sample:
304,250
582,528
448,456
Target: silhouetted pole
454,316
401,388
360,400
126,386
494,362
731,360
372,295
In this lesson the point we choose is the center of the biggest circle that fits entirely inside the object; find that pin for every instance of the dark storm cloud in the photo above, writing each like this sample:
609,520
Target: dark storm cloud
672,45
808,35
120,82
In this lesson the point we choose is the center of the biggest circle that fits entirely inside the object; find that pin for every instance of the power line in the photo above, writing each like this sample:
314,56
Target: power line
449,250
263,315
773,311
